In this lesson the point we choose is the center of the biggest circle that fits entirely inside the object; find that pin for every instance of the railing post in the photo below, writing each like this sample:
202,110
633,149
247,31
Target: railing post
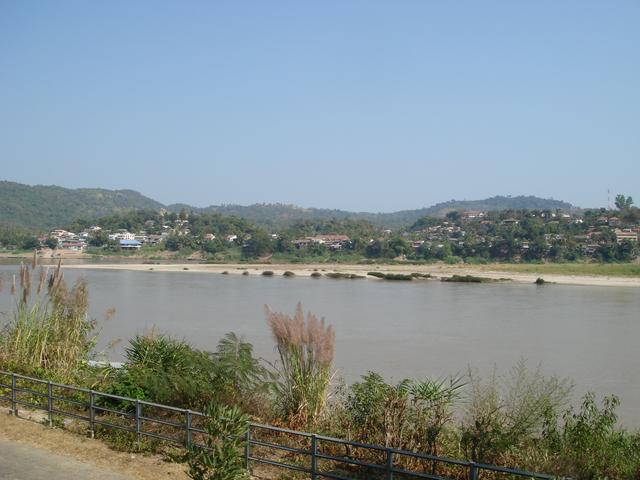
187,414
389,467
14,395
473,471
50,403
138,420
247,448
92,414
314,458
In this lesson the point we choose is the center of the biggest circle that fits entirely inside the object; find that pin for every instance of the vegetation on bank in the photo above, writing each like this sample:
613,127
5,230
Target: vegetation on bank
594,269
472,279
522,418
524,236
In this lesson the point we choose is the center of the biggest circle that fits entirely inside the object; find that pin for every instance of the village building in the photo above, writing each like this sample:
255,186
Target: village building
626,235
130,244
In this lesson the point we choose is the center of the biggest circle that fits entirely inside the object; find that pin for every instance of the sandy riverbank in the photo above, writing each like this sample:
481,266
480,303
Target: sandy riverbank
437,271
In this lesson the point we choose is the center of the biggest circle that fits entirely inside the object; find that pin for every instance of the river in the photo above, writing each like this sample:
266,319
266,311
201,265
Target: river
400,329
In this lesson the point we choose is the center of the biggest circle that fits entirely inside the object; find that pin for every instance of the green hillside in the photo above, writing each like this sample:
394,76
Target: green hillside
42,207
281,215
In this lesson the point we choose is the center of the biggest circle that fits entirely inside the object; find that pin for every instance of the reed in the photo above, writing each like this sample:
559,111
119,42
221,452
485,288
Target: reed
49,331
306,348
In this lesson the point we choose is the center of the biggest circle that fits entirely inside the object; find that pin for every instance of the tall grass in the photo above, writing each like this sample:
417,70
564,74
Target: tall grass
306,347
49,332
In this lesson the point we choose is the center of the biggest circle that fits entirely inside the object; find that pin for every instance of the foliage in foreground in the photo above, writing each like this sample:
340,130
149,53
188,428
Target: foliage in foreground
49,332
306,348
221,457
169,371
520,419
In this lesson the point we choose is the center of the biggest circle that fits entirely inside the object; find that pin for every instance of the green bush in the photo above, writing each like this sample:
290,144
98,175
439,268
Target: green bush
168,371
410,415
267,273
472,279
289,274
351,276
316,275
587,444
398,276
503,413
221,457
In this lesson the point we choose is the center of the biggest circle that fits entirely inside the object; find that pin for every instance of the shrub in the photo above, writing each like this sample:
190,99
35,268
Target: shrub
316,275
306,348
421,275
245,272
398,276
267,273
376,274
343,275
289,274
588,444
49,333
502,413
472,279
221,456
540,281
452,260
409,415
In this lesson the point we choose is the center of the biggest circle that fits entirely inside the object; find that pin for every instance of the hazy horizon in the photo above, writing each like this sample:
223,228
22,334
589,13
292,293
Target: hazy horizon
362,106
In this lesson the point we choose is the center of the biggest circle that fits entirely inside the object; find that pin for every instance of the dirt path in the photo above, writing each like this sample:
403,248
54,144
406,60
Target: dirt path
25,444
26,462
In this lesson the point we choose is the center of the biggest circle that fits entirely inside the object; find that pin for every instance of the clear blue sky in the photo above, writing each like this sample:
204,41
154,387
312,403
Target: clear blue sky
361,105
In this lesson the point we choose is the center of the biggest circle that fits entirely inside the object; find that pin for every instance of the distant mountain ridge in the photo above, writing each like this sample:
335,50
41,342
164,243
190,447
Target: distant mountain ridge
278,215
43,207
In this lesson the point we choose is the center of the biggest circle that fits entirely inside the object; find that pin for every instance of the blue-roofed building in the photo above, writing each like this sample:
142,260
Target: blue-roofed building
130,244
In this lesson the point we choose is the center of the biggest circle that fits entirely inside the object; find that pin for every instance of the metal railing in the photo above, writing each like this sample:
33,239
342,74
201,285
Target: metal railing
318,456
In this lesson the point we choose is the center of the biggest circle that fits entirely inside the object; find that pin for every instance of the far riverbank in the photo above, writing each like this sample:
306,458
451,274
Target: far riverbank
437,271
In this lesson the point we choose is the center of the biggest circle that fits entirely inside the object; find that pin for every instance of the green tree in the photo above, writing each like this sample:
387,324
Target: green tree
51,242
623,203
221,457
258,245
98,239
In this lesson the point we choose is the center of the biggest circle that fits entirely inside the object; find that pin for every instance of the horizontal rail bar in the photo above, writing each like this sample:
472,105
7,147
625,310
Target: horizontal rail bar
32,392
115,412
278,464
514,471
114,425
69,414
426,476
69,400
182,426
351,461
284,448
162,437
280,429
260,443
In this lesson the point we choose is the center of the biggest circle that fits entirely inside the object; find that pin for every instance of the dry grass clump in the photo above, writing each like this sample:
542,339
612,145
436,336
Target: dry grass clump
306,347
49,332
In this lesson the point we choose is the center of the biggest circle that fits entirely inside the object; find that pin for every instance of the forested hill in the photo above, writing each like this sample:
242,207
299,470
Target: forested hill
280,215
43,207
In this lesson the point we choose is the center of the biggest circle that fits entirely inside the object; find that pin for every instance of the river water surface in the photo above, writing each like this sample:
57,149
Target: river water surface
417,329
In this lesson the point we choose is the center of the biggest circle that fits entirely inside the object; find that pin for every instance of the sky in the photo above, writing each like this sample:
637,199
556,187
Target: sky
359,105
